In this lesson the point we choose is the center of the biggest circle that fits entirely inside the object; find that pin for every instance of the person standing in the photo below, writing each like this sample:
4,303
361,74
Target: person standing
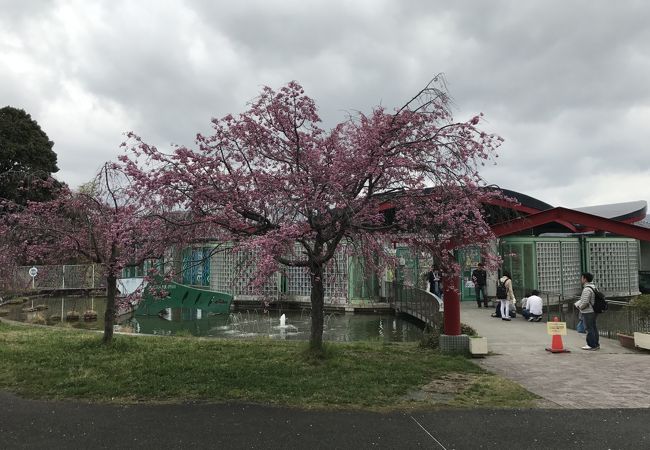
586,307
479,277
434,281
505,295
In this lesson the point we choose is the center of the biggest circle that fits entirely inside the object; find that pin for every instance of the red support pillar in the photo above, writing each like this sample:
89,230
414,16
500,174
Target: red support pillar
451,300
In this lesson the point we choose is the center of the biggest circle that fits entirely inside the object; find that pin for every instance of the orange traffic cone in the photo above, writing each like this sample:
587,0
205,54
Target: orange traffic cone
556,342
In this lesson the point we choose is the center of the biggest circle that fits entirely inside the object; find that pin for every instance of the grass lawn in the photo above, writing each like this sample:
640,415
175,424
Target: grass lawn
41,362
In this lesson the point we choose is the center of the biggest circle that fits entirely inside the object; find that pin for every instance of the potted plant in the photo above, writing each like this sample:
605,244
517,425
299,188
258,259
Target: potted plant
642,305
478,345
625,338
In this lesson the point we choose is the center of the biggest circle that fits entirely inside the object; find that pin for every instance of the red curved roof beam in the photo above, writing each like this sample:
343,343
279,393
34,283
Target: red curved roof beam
580,219
511,205
526,209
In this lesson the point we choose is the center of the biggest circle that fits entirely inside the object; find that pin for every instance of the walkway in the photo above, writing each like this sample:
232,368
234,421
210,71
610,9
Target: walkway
612,377
33,424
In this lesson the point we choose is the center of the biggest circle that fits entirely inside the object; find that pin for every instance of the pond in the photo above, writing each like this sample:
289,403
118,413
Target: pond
239,324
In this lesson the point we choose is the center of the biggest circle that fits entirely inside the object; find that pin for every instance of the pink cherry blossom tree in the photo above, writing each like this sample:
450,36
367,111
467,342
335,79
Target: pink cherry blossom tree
277,183
7,259
104,222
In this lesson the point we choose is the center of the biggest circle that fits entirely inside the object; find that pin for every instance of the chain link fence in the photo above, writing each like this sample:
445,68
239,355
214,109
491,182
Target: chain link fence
59,277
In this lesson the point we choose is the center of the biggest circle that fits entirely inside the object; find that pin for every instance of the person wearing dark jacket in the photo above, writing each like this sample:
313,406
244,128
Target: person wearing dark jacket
479,277
434,281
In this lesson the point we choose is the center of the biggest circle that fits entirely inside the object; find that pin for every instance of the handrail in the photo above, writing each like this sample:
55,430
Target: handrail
415,302
621,317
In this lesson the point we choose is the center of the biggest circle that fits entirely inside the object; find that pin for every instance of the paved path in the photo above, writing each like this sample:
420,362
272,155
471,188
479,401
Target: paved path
33,424
612,377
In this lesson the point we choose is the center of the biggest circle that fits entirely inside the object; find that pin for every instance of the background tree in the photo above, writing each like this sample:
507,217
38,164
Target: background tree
105,223
26,158
272,178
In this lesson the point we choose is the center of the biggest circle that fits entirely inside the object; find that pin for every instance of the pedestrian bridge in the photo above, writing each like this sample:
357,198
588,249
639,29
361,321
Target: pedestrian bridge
416,303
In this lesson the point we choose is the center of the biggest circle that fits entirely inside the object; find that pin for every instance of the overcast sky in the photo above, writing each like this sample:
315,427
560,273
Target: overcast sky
565,83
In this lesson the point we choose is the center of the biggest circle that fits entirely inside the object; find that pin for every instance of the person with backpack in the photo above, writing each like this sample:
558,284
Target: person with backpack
505,294
586,307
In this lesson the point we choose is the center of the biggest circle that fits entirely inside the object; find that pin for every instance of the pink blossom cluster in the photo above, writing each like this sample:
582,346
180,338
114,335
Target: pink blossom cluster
271,177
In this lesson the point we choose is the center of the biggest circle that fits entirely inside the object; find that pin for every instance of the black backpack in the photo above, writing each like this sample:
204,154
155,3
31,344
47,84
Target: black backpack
502,292
600,302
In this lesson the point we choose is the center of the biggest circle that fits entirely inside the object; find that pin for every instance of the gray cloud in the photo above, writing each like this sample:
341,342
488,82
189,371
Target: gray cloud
564,83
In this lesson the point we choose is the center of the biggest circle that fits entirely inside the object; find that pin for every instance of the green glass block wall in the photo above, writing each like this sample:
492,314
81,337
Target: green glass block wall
335,279
234,272
558,265
549,266
614,263
634,257
571,267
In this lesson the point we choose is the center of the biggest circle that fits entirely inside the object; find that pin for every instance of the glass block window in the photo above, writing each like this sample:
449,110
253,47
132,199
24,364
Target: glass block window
234,272
549,266
558,266
337,278
633,249
615,265
571,268
298,282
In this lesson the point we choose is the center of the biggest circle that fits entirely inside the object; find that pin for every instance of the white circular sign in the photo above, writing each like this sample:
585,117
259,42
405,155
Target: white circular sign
33,272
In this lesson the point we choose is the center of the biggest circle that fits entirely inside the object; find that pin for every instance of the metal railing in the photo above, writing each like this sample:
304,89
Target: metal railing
621,317
415,302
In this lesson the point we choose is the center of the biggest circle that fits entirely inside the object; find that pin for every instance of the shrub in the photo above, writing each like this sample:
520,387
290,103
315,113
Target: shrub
430,337
38,319
642,305
466,329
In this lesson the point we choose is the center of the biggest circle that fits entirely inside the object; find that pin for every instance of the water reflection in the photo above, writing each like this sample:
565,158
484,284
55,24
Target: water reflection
240,324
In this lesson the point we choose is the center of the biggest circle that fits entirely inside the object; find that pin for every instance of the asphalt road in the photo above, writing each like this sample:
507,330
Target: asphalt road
71,425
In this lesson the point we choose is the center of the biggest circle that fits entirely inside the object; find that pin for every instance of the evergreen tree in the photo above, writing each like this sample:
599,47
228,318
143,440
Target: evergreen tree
26,158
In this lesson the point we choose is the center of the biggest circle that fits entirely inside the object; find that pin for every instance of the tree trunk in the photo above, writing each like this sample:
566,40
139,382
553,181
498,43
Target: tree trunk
109,316
317,301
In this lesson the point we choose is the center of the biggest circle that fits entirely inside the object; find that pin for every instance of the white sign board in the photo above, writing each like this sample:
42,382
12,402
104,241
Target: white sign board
556,328
33,272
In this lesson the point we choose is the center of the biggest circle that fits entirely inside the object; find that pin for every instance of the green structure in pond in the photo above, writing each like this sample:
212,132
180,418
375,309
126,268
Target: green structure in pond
182,296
